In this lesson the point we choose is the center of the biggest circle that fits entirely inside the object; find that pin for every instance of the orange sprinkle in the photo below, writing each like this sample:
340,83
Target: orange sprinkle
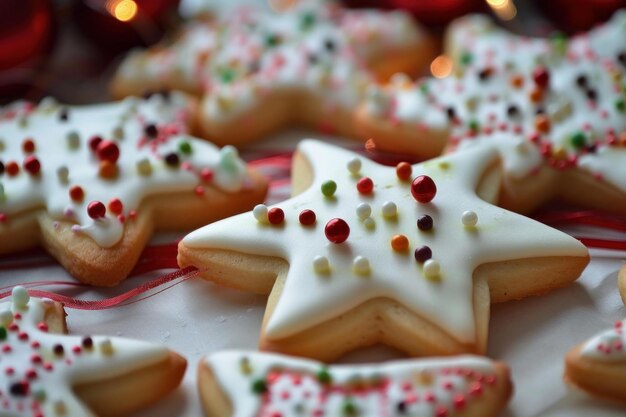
399,243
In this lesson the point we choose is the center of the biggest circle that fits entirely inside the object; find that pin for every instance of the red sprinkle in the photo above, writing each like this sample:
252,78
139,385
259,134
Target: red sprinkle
423,189
275,215
541,77
365,185
12,168
108,151
96,210
307,217
77,193
115,206
94,141
206,174
337,230
28,146
32,165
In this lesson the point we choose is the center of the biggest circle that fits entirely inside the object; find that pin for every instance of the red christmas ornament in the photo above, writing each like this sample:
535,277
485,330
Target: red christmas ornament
27,33
77,193
337,230
307,217
96,210
423,189
116,25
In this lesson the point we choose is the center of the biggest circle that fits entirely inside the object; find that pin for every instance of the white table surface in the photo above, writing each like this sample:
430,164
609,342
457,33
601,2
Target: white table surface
196,318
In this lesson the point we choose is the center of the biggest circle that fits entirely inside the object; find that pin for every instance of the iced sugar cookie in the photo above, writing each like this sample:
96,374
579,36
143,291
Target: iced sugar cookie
598,365
258,71
408,256
247,384
555,108
91,183
46,372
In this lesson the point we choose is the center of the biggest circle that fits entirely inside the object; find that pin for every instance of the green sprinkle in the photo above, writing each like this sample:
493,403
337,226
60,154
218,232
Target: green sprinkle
424,88
324,376
473,125
185,147
272,40
466,58
227,75
40,396
349,408
620,105
559,41
3,333
259,386
578,140
307,21
329,188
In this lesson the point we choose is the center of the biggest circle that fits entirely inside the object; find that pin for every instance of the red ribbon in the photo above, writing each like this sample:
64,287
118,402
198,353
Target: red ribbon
594,218
176,277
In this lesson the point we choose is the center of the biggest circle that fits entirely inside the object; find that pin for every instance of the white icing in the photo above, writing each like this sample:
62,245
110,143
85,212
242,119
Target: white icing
67,370
500,235
608,346
244,65
425,386
567,105
142,170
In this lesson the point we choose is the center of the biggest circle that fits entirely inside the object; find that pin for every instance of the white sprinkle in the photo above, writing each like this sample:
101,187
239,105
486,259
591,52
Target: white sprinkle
469,218
389,209
20,296
369,223
106,346
354,166
321,264
361,265
73,140
144,167
431,268
63,174
363,211
6,317
260,213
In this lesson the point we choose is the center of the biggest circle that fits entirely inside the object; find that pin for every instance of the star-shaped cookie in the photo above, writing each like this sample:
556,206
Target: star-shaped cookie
258,71
598,365
48,373
91,183
555,108
408,256
247,384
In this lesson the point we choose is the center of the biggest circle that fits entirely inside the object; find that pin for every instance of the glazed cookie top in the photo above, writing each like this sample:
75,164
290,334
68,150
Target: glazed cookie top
93,165
558,100
607,346
39,369
363,231
314,46
261,384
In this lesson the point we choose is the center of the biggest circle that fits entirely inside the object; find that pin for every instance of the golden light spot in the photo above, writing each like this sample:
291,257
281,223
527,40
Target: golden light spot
504,9
441,66
122,10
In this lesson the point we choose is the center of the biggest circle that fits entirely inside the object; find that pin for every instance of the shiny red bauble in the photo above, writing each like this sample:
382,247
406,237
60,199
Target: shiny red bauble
337,230
423,189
